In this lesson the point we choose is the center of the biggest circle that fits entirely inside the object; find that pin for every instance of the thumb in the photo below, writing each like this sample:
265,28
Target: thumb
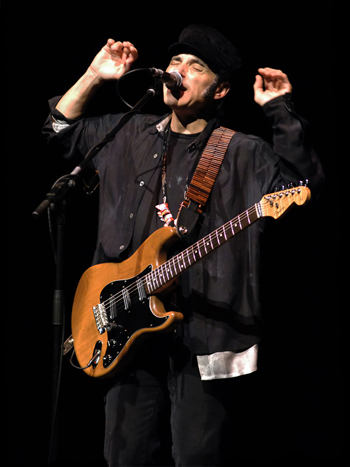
258,85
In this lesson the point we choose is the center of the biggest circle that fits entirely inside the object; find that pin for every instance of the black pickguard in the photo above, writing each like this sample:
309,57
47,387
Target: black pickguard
127,315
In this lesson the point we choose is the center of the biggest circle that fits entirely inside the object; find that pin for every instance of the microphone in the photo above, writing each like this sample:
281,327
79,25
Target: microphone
171,80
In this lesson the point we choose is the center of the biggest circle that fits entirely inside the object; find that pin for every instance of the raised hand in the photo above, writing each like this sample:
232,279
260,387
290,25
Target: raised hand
113,60
270,83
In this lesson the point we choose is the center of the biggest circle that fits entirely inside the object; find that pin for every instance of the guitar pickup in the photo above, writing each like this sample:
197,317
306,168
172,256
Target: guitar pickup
126,298
141,290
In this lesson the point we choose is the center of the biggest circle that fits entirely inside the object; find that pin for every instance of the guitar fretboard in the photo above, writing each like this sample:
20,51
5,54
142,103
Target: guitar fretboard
147,283
187,258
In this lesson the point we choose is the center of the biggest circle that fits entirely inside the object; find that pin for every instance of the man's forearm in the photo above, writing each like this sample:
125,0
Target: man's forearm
74,102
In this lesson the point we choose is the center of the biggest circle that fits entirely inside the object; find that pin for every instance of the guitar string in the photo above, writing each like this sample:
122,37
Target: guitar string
119,297
161,271
191,251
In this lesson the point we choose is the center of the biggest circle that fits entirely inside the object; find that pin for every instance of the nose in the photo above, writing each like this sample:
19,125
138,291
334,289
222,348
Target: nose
182,68
179,67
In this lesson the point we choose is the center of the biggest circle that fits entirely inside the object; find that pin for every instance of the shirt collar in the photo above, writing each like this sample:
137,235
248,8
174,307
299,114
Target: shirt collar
201,140
163,124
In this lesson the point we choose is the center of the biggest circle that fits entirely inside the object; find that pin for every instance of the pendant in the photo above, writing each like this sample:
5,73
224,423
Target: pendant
165,215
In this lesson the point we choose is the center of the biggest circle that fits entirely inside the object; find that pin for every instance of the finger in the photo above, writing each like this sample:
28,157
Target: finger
130,53
273,74
268,71
117,47
258,85
133,54
131,48
128,44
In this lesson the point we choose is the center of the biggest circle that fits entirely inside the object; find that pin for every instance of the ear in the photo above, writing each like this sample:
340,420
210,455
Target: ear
222,90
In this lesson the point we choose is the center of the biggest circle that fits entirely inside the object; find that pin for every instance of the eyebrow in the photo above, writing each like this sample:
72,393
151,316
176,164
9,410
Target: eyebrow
191,61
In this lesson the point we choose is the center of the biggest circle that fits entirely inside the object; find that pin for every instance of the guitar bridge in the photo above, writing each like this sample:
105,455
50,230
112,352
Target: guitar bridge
101,319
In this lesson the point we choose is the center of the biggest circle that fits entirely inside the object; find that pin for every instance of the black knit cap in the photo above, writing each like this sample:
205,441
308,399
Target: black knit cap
209,45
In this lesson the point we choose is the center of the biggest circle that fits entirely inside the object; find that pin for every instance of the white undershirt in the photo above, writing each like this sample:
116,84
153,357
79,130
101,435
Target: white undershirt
221,365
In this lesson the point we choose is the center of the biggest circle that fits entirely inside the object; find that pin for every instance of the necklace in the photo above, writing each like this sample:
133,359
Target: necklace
164,212
172,156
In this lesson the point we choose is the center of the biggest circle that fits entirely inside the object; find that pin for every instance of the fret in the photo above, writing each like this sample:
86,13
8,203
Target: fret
188,257
211,242
166,269
154,280
194,253
237,225
148,284
181,263
187,264
217,237
176,264
248,218
205,247
173,263
161,275
258,210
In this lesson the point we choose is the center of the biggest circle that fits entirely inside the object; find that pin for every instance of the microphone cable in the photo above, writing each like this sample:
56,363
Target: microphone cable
156,84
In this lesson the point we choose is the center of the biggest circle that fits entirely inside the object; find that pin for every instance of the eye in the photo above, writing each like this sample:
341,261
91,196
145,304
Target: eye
198,68
174,61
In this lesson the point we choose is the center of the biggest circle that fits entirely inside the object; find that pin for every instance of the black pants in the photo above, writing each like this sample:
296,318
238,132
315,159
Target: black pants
159,412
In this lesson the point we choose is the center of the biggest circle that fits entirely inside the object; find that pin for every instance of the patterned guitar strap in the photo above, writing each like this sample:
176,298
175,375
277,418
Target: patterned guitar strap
203,180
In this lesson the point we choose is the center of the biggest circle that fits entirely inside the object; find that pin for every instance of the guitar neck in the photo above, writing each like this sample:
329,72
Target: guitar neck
199,250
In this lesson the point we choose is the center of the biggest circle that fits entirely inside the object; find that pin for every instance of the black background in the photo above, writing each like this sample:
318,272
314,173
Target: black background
48,46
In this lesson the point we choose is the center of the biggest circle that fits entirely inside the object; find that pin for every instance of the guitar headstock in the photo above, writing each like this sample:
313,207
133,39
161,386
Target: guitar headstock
276,204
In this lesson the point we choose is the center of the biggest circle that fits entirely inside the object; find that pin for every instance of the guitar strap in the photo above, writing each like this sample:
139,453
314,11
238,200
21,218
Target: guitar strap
203,180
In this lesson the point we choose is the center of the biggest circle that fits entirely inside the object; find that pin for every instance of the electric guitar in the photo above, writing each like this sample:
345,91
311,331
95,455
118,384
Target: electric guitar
117,305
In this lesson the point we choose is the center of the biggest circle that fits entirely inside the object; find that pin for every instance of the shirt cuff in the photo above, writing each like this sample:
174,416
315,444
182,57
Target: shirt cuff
58,125
221,365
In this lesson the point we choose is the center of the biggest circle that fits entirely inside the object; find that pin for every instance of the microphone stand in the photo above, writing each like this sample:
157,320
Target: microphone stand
66,182
55,201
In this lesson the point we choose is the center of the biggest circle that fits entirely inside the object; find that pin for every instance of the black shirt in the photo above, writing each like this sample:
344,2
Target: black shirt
220,295
177,163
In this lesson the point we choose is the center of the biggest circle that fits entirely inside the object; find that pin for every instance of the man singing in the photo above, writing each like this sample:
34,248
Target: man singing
196,370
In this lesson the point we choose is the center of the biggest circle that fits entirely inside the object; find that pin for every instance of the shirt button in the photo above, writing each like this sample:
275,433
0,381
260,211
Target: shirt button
155,156
142,183
131,215
121,247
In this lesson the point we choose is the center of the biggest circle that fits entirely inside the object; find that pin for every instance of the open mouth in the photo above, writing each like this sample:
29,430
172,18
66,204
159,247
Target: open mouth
177,92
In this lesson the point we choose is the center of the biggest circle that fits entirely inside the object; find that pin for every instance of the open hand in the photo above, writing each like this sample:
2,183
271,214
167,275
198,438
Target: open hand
113,60
270,83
